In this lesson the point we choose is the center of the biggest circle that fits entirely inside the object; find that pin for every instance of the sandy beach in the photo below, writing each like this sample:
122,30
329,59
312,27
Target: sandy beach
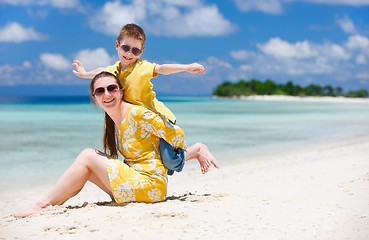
304,99
320,193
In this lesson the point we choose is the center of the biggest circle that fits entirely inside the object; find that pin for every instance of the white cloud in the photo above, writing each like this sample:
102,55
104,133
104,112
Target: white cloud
246,67
337,2
347,25
283,49
27,64
300,60
62,4
359,45
53,68
358,42
163,17
363,75
55,61
215,63
218,70
333,51
14,32
268,6
240,54
276,6
95,58
361,59
114,15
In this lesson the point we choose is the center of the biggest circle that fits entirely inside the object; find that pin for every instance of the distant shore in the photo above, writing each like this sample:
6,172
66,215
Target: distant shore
298,98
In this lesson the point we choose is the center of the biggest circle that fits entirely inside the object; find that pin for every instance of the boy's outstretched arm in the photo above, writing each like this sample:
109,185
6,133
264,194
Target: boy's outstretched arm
167,69
81,71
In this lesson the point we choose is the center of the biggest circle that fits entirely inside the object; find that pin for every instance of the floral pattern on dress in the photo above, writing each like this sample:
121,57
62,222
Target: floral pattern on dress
148,128
112,170
137,167
154,195
124,193
142,176
167,124
176,141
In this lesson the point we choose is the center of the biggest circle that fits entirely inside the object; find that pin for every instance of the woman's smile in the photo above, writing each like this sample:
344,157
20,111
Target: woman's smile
109,101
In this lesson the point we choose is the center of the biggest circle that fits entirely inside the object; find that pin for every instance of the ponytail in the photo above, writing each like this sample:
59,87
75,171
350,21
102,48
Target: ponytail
110,138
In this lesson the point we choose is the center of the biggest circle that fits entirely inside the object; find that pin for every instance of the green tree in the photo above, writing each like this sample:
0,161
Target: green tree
362,93
269,87
289,88
254,86
328,90
338,91
313,90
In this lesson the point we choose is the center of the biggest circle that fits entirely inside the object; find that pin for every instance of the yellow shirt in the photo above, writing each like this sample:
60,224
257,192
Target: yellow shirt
137,87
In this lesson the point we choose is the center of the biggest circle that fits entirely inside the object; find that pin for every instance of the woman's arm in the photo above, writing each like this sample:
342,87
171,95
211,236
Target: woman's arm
158,126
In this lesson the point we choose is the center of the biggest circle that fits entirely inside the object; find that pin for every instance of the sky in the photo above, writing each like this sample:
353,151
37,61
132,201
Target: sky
324,42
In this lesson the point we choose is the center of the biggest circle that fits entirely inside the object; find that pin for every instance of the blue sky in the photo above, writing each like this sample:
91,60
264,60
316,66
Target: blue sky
303,41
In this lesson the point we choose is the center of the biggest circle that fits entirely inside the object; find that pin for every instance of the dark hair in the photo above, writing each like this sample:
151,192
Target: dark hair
134,31
110,142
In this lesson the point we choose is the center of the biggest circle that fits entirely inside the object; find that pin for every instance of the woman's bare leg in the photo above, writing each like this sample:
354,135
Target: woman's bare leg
89,165
201,152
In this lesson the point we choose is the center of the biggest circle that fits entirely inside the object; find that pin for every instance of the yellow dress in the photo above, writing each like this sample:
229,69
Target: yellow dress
142,176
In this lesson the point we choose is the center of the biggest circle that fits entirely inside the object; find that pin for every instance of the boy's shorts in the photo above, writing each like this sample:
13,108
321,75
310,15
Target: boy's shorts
173,160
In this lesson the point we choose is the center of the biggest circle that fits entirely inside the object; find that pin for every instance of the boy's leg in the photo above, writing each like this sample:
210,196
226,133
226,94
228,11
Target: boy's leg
173,160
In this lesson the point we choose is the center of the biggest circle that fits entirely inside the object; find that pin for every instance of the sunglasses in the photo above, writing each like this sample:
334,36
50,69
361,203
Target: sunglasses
100,90
135,51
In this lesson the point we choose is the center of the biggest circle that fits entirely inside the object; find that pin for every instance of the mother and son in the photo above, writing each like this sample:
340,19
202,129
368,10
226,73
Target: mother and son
137,125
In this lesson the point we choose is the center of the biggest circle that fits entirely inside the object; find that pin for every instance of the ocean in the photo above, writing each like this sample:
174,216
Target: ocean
41,137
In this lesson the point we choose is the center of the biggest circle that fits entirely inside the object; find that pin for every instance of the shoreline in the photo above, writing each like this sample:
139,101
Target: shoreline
316,193
298,98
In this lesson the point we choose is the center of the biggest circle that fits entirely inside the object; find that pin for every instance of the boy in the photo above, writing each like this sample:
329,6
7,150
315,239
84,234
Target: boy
135,75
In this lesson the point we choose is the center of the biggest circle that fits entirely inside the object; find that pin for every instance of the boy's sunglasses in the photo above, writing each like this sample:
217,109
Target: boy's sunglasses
135,51
100,90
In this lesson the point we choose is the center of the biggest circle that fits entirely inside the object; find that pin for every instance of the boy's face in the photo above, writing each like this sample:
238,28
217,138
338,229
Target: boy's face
130,56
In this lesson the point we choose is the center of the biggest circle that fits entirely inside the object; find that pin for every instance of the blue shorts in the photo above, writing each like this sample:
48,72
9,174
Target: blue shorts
173,160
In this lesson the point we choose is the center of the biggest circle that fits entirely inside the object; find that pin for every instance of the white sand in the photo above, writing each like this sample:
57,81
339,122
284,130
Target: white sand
305,99
316,194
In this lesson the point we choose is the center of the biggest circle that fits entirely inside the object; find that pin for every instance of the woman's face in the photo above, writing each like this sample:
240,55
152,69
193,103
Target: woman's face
107,93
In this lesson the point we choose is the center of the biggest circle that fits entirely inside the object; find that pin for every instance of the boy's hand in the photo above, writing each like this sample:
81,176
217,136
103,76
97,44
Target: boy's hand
196,68
81,71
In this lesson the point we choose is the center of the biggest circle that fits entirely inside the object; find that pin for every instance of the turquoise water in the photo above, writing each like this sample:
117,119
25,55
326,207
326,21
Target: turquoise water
39,140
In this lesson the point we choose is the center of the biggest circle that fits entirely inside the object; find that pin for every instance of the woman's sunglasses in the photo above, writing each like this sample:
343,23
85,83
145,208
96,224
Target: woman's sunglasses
135,51
100,90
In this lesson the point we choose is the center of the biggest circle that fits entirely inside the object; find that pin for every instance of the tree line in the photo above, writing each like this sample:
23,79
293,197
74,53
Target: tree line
268,87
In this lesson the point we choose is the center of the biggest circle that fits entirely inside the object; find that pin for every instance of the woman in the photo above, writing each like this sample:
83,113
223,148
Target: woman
134,131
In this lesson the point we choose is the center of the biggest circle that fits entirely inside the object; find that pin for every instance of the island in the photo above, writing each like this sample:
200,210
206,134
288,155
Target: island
268,87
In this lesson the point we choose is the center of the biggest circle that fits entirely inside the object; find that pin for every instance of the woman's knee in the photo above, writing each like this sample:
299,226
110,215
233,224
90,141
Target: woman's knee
86,156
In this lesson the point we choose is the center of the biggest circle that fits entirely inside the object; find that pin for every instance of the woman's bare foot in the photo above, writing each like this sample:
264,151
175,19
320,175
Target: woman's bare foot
32,210
205,158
